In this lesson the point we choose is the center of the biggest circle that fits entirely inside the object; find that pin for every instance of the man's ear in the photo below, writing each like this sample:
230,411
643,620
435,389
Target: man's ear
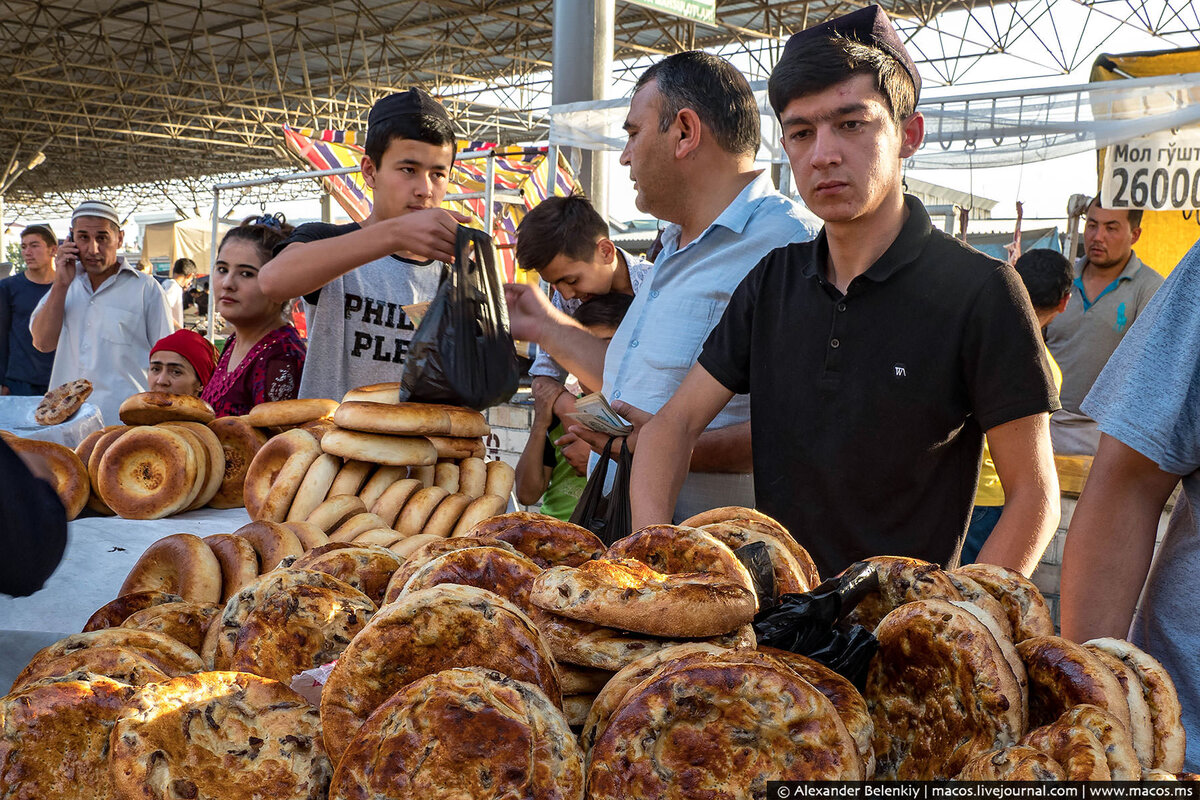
687,125
912,133
607,250
1137,234
1062,304
368,171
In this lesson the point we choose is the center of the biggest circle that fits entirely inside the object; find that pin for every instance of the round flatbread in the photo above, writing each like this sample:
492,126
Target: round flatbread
151,408
1024,604
118,663
1113,737
147,473
183,621
1075,748
509,575
791,565
1016,762
901,580
298,629
672,550
114,612
240,442
422,633
219,643
940,692
463,733
720,730
1141,724
1159,691
54,739
60,403
548,541
431,549
379,448
169,655
973,592
849,704
627,594
595,646
1063,674
368,569
220,734
68,474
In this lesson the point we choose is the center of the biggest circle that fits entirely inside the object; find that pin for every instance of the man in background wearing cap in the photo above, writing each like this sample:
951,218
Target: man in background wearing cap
877,355
693,131
23,369
101,313
355,278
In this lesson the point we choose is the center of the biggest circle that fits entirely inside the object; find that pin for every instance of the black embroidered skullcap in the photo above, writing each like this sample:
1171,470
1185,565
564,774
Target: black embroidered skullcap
403,104
869,26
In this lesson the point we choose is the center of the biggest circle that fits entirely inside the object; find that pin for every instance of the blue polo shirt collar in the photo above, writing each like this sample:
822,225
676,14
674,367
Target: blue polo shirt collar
1131,268
736,215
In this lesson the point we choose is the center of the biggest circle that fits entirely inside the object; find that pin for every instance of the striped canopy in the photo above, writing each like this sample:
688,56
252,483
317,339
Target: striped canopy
523,169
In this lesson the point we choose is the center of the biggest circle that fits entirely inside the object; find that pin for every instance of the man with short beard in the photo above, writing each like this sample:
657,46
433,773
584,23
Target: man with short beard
101,313
1111,288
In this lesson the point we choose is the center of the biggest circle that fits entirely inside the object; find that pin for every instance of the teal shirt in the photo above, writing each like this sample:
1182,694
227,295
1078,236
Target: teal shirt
1082,338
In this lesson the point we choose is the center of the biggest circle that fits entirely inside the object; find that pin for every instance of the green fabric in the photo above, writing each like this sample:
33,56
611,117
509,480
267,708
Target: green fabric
565,487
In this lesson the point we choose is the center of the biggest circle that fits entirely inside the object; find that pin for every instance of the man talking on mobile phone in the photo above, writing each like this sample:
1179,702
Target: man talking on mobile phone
101,314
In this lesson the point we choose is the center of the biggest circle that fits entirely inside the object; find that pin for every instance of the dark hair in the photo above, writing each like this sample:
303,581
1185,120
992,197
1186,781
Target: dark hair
828,62
43,231
1047,275
418,127
184,267
605,310
559,226
715,90
1134,214
266,232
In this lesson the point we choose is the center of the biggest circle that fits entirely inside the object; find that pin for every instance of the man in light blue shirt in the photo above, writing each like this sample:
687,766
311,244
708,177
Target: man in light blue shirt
693,131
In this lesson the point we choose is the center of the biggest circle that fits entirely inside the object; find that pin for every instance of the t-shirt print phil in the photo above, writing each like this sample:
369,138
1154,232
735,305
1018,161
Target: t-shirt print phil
376,346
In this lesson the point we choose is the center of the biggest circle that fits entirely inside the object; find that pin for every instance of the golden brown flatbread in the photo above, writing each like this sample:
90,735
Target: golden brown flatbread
672,549
114,612
219,734
1141,724
1074,747
627,594
598,647
463,733
720,730
1026,608
940,692
793,568
298,628
54,739
1016,762
548,541
424,632
172,657
366,568
183,621
1159,691
1063,674
430,550
119,663
61,402
901,580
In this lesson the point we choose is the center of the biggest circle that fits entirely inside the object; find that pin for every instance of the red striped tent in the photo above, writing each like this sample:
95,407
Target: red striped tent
523,169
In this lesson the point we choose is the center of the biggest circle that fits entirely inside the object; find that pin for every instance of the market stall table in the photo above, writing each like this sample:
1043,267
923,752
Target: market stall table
100,552
16,417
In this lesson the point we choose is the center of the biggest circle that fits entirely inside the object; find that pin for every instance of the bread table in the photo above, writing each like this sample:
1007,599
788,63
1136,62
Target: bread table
16,416
100,552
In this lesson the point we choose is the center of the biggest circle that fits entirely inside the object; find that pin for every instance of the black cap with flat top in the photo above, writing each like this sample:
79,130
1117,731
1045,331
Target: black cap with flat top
869,26
401,104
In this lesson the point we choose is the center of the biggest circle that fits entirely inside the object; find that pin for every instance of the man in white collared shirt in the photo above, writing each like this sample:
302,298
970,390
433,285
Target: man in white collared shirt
693,131
101,314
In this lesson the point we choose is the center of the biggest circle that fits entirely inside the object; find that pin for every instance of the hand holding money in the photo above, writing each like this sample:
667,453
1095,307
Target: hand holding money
594,412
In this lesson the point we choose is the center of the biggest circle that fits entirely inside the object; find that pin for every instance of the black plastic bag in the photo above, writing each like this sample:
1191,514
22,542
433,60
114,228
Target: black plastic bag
805,623
607,516
462,353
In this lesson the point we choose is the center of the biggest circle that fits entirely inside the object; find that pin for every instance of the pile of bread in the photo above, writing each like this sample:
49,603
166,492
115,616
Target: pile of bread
525,659
170,456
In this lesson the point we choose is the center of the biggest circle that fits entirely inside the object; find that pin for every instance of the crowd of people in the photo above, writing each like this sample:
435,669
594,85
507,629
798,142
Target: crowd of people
840,364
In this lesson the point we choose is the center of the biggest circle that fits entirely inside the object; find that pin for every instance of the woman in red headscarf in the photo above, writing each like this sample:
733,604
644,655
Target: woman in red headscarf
263,359
182,363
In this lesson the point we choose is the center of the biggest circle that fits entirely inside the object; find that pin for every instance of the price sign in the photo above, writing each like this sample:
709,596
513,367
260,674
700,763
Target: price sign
1160,172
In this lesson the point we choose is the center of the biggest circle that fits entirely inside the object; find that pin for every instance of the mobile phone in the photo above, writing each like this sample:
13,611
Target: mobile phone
74,262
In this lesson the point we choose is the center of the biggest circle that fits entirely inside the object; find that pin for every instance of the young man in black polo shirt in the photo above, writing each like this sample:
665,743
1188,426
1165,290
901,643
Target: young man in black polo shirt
877,355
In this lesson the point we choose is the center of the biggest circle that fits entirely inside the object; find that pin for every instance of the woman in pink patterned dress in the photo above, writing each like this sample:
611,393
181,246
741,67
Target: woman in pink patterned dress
263,359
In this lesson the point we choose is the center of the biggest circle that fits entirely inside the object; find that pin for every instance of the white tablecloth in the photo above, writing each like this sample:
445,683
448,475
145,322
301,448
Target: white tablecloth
100,552
16,416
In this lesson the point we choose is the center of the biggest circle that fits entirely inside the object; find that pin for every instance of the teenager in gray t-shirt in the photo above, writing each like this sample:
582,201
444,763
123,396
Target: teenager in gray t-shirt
1147,403
359,330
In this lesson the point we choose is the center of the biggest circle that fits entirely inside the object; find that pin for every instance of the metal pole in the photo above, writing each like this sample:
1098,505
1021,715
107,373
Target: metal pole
212,265
552,173
489,193
582,55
